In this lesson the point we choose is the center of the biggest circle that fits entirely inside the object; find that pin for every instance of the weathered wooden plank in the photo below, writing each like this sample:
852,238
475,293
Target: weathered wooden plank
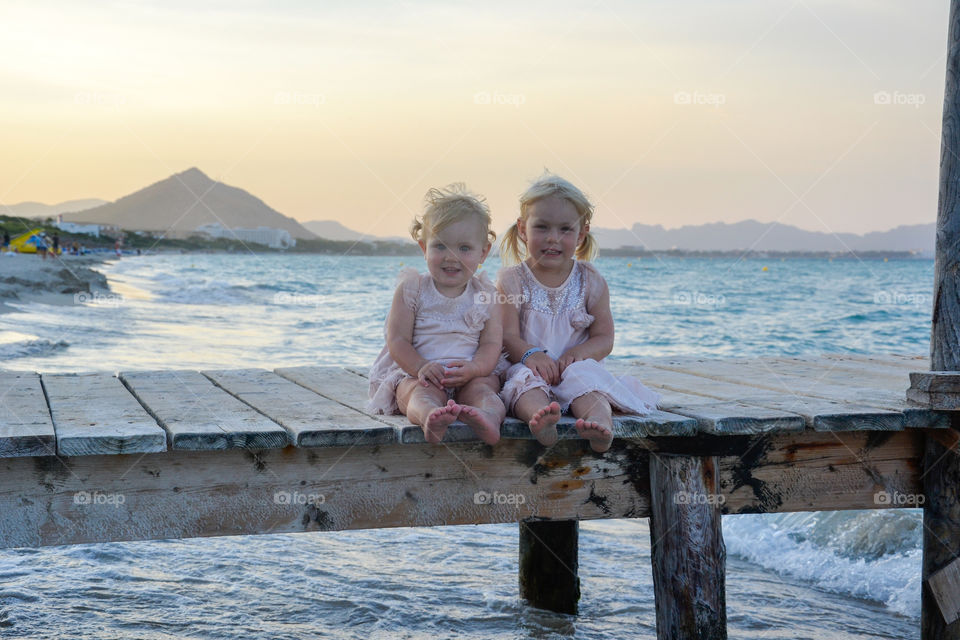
945,588
199,415
886,378
180,494
715,405
901,362
655,423
941,533
686,548
311,419
794,379
738,418
814,471
936,381
867,389
934,401
818,413
25,426
338,384
94,414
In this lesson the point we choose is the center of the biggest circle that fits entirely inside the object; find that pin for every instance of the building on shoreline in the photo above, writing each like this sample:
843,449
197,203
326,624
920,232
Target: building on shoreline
272,237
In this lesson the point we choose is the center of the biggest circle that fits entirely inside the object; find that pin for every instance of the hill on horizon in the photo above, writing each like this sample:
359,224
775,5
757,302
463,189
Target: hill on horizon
723,236
41,210
333,230
767,236
172,204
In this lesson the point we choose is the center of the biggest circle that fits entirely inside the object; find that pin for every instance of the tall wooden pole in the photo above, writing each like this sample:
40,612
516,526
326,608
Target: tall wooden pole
945,335
687,550
941,516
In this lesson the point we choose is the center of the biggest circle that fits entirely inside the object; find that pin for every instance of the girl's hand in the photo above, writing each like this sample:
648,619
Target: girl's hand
567,359
459,373
431,373
544,366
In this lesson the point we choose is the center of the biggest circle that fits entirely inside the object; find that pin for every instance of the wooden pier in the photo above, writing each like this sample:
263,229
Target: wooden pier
176,454
146,455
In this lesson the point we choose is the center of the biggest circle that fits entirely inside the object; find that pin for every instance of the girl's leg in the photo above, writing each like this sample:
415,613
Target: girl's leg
427,407
481,408
534,408
594,420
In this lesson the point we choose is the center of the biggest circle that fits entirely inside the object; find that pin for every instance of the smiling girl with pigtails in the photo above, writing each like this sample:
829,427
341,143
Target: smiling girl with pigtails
557,323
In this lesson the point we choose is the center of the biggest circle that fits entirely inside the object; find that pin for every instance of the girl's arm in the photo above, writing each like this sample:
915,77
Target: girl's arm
400,344
540,363
600,343
484,361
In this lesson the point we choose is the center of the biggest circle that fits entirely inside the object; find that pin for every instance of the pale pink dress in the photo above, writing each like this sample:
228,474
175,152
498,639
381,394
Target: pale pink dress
556,319
444,329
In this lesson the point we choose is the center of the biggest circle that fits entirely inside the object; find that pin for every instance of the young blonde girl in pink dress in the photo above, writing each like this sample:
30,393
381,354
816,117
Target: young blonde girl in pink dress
557,324
442,358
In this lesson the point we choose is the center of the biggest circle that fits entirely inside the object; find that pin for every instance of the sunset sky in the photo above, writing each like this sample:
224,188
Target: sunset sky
821,114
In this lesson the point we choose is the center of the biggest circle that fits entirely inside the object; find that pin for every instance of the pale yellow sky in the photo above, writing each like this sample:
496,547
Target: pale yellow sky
821,114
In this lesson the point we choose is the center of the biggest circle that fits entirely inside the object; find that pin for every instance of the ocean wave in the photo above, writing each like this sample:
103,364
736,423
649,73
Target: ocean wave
865,554
216,293
37,348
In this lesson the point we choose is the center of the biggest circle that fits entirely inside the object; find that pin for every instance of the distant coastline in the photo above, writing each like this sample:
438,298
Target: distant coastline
628,252
146,243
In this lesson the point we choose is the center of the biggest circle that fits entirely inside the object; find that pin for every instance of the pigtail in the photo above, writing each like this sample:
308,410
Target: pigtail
510,247
588,249
551,185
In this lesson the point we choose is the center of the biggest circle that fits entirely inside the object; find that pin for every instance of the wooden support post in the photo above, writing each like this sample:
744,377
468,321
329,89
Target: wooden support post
687,550
549,577
941,516
941,539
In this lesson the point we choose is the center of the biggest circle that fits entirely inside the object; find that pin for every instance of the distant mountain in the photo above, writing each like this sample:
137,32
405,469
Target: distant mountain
172,204
40,210
333,230
721,236
761,236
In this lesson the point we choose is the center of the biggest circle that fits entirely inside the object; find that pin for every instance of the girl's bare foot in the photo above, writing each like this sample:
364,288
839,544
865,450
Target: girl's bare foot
599,435
543,424
435,426
482,423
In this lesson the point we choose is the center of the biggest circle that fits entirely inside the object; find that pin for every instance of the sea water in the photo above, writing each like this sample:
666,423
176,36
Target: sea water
805,575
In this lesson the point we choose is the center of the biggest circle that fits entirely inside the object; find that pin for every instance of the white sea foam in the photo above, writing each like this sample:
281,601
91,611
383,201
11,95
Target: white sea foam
836,556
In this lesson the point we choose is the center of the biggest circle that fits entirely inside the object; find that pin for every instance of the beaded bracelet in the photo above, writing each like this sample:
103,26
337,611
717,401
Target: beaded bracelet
530,352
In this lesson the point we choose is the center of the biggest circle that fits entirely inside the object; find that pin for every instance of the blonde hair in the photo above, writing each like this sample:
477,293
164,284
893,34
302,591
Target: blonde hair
514,250
443,207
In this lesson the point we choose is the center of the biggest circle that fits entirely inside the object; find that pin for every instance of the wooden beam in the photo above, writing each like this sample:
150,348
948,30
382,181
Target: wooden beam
549,565
687,550
184,494
941,536
945,588
941,515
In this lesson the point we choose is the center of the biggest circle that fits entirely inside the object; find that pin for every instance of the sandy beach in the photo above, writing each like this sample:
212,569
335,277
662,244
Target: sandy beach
29,278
